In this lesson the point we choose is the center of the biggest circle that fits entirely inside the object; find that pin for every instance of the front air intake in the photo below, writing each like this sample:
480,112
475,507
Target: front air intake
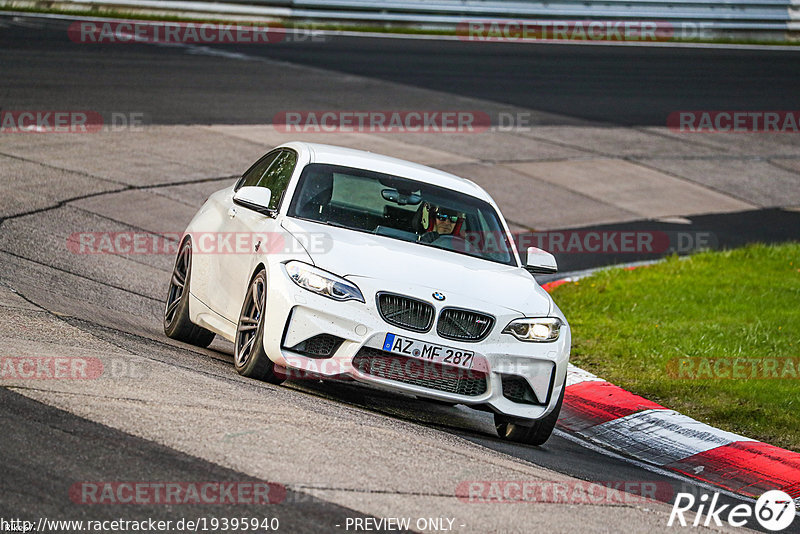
422,373
405,312
464,325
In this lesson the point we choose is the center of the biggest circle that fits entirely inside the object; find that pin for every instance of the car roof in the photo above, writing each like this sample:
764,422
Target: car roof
348,157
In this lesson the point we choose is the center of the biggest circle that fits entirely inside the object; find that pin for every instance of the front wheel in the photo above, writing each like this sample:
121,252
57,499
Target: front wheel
537,433
249,357
176,312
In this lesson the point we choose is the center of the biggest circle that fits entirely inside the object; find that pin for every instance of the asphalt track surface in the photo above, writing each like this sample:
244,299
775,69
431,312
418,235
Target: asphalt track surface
37,473
44,70
628,85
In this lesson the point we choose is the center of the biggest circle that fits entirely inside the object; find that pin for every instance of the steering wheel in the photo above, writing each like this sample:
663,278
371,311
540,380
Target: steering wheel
450,241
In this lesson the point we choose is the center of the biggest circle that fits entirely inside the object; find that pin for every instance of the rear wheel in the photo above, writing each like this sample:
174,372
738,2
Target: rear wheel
249,357
537,433
176,312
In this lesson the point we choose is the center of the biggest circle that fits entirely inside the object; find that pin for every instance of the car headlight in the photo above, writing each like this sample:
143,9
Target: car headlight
541,330
322,282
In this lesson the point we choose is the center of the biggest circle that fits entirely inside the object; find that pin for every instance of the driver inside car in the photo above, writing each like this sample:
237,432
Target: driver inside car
439,221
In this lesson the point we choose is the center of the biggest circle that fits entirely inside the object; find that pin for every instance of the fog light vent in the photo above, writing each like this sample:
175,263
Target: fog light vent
319,346
517,389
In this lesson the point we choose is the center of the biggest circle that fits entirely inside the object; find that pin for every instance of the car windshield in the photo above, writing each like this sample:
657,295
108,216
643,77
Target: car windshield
401,208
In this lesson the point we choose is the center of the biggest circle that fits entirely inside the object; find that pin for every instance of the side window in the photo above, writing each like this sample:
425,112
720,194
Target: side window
254,173
278,175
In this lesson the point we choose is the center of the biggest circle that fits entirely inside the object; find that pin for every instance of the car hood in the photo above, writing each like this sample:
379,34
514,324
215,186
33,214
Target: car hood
350,253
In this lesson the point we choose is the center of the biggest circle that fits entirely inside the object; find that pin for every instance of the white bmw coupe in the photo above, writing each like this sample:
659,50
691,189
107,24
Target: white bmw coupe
332,263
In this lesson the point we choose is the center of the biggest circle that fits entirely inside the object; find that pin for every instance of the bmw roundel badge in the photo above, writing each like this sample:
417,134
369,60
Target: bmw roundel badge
438,296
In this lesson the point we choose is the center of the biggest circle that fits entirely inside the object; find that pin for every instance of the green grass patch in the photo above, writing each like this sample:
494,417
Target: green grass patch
704,335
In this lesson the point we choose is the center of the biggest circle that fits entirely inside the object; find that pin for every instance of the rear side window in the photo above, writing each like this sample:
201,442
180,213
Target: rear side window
278,175
257,171
272,171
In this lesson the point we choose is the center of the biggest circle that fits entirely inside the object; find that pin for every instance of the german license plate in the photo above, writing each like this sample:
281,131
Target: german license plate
414,348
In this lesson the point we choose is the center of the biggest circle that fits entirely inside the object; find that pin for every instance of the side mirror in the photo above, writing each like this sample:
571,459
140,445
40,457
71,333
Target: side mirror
255,198
540,262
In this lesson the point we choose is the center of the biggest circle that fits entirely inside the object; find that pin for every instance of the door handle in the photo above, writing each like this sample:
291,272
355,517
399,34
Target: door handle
232,212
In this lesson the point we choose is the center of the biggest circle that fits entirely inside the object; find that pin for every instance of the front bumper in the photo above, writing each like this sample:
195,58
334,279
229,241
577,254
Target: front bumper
295,315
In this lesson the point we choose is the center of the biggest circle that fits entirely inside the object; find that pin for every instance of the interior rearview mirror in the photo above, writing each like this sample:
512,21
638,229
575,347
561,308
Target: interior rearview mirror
398,197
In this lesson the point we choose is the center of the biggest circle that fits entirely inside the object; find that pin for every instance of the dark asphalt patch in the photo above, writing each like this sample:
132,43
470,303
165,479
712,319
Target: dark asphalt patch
621,85
50,450
719,231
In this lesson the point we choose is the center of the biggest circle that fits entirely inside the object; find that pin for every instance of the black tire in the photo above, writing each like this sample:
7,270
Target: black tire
537,433
176,312
249,357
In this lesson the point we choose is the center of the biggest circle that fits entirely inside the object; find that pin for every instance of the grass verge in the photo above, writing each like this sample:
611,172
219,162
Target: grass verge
715,336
